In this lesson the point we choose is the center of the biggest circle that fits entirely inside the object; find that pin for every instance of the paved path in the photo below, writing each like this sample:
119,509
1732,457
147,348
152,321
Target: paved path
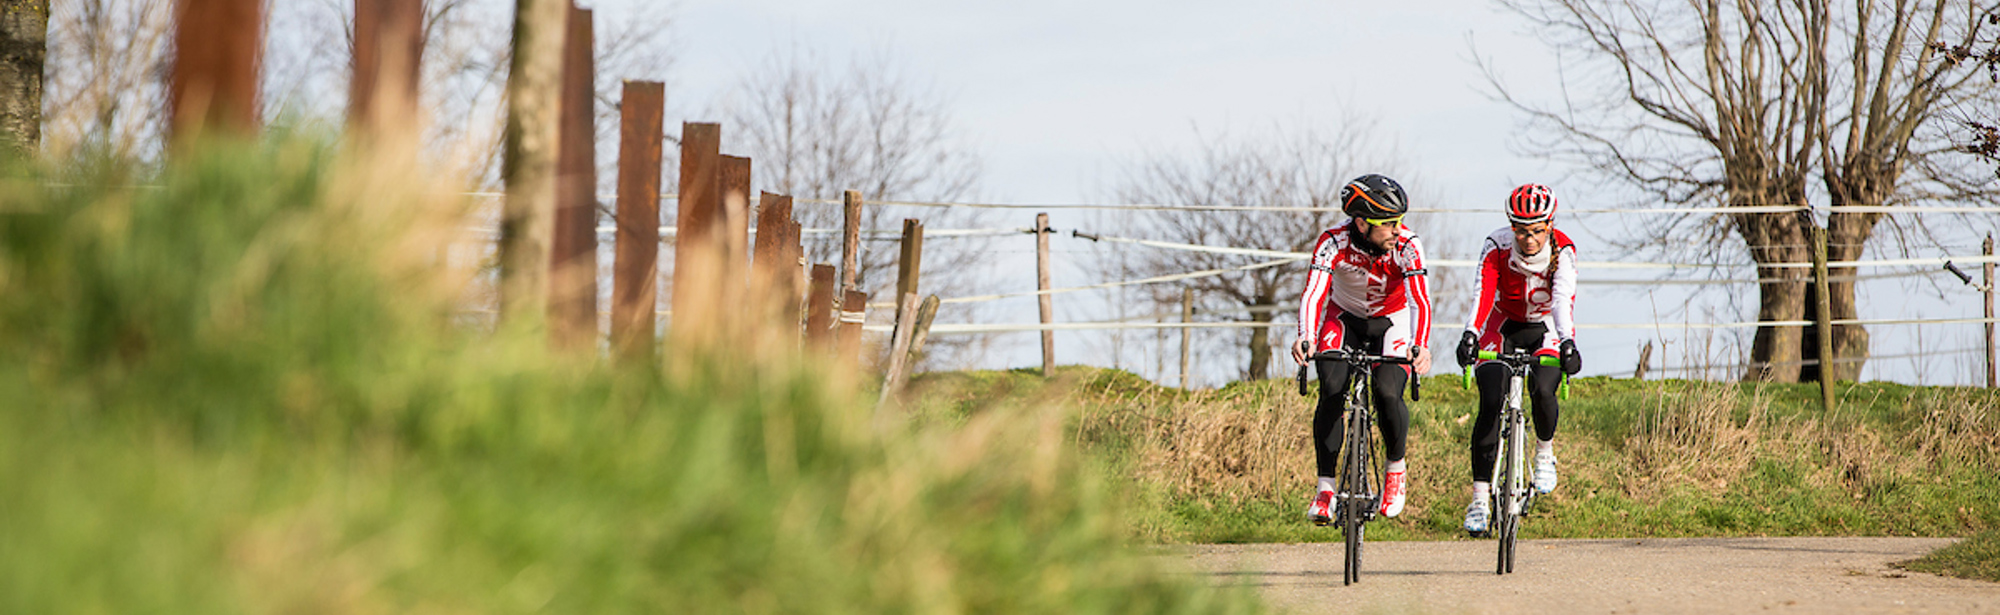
1684,575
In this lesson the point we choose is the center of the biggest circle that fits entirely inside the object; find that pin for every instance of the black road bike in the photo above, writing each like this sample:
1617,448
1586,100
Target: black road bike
1361,465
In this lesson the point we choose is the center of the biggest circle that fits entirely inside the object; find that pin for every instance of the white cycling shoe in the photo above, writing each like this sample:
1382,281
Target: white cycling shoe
1545,471
1476,515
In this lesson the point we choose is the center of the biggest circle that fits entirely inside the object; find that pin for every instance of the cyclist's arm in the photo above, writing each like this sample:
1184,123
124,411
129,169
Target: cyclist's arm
1319,279
1417,286
1564,300
1489,285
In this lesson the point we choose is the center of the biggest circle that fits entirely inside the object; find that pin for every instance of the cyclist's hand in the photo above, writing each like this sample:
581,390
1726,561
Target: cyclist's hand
1466,347
1572,362
1299,351
1420,360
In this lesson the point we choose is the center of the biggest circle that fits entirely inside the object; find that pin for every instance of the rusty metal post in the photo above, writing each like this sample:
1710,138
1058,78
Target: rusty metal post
573,251
212,86
819,308
734,244
698,232
773,268
388,50
635,268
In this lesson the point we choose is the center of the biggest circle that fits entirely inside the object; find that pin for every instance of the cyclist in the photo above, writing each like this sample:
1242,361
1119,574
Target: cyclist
1366,290
1526,300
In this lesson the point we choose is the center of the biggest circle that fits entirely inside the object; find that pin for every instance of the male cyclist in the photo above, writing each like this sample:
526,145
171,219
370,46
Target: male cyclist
1527,295
1365,291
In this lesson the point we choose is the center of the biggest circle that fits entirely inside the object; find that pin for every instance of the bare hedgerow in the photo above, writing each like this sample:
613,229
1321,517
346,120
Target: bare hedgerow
1691,433
1247,448
1959,427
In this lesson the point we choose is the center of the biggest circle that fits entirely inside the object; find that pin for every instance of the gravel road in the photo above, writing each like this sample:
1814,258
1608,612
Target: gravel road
1685,575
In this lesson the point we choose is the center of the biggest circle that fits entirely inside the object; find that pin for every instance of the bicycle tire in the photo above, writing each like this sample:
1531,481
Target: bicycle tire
1503,495
1354,480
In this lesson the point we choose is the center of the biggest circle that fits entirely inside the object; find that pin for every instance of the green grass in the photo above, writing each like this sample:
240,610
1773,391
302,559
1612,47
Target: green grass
1976,557
1640,459
243,392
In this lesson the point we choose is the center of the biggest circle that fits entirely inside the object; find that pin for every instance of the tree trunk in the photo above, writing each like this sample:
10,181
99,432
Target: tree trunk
1775,239
24,33
1847,234
1260,337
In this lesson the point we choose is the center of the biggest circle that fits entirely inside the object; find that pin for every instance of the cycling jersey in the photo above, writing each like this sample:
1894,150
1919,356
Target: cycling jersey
1355,278
1508,292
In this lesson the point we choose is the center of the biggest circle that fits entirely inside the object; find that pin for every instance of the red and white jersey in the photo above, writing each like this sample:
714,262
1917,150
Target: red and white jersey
1352,279
1506,291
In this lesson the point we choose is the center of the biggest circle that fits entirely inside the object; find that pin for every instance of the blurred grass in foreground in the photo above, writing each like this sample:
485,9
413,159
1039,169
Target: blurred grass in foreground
241,392
1654,458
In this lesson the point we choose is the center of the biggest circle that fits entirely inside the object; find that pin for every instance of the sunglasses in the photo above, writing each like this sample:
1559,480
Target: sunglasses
1395,221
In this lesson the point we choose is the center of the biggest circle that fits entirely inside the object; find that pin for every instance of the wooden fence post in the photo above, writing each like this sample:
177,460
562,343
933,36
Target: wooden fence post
819,308
1187,316
635,266
1042,284
212,85
1986,271
698,233
899,348
388,51
853,313
925,314
534,104
910,264
1645,361
573,251
1824,318
850,240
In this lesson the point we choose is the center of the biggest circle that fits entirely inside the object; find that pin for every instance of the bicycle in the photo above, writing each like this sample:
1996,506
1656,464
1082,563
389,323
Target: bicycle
1512,491
1360,477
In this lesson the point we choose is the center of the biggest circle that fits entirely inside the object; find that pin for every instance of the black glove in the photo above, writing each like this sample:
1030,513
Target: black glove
1571,361
1468,346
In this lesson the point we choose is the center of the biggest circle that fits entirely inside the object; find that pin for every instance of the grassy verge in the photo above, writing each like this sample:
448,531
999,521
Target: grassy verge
1976,557
1670,458
241,391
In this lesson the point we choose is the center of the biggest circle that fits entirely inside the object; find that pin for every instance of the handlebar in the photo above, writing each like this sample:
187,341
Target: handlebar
1361,359
1517,360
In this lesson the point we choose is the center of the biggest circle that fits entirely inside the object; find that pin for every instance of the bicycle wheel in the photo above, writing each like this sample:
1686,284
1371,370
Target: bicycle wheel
1355,485
1517,487
1503,500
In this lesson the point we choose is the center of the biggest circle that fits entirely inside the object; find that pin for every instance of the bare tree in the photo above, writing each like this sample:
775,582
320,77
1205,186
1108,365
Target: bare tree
106,79
1288,167
815,131
1749,104
24,33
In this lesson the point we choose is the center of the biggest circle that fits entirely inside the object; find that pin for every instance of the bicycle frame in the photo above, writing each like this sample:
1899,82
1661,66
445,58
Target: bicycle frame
1512,493
1360,477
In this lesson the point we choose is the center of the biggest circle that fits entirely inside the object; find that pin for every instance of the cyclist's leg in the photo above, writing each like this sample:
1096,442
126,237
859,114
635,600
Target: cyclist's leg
1326,416
1492,377
1547,409
1544,381
1332,393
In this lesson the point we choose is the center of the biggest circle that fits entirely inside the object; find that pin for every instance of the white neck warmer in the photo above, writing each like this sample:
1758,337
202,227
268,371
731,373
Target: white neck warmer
1537,263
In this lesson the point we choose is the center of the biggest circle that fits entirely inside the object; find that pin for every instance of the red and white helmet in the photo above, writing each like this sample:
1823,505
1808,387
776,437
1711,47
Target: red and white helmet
1531,203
